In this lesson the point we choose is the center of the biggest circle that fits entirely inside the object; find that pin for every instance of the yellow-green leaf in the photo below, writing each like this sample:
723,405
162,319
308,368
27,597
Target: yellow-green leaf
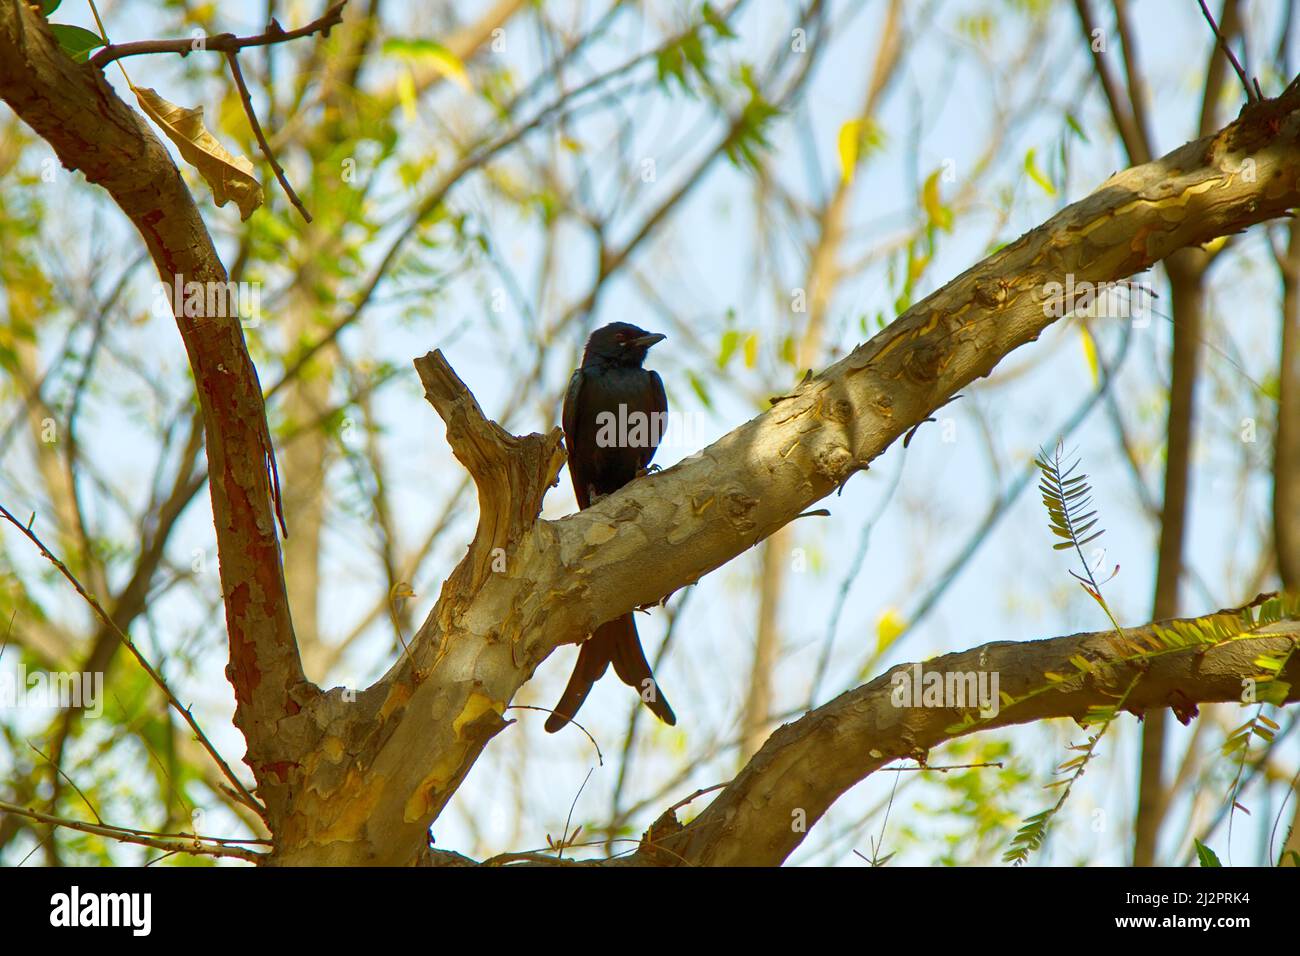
889,626
1205,856
700,388
727,348
939,214
847,147
1036,174
1090,353
435,54
406,94
230,177
450,66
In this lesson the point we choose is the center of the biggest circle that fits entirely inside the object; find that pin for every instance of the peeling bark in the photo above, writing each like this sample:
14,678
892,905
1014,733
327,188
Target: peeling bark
360,778
810,762
489,630
805,765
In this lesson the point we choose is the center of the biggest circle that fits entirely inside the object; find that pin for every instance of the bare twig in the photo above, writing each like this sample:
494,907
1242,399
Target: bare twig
8,631
945,768
546,710
71,782
244,796
696,795
564,837
222,42
477,158
233,58
1252,93
172,842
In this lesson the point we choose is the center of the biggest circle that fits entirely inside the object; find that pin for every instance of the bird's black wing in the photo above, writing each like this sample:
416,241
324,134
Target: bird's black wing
571,416
659,413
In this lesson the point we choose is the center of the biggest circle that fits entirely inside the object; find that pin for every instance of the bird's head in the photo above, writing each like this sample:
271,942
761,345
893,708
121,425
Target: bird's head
620,343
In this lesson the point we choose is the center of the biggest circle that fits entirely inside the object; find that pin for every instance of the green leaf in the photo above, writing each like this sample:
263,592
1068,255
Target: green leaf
1074,125
720,27
939,214
789,351
49,6
433,53
1273,692
1205,855
701,389
730,340
1036,174
76,41
750,137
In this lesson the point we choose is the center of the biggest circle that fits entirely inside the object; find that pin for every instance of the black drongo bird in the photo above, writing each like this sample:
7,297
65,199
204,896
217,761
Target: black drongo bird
614,414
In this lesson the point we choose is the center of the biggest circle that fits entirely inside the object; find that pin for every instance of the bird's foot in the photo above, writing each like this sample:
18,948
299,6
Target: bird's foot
648,471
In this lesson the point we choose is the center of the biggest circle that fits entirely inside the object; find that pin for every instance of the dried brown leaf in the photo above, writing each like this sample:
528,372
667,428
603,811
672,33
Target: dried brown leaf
230,177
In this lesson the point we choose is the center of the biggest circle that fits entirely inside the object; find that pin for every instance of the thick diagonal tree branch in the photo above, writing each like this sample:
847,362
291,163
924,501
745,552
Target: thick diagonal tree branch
359,778
664,531
92,130
806,765
763,815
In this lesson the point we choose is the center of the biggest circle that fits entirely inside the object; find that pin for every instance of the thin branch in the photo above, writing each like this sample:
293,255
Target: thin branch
172,842
1135,144
478,157
696,795
1133,74
546,710
747,824
221,42
562,842
944,768
90,599
1252,94
71,782
233,58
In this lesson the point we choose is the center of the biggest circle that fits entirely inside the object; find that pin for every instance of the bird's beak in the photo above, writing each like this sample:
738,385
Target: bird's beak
645,341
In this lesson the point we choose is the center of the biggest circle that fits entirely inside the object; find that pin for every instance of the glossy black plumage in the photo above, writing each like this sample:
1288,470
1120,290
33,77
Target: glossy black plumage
611,388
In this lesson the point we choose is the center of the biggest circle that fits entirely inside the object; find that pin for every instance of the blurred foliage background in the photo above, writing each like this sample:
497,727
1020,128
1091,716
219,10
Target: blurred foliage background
768,183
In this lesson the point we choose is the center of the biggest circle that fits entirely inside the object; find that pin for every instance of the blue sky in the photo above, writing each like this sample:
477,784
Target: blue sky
703,267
